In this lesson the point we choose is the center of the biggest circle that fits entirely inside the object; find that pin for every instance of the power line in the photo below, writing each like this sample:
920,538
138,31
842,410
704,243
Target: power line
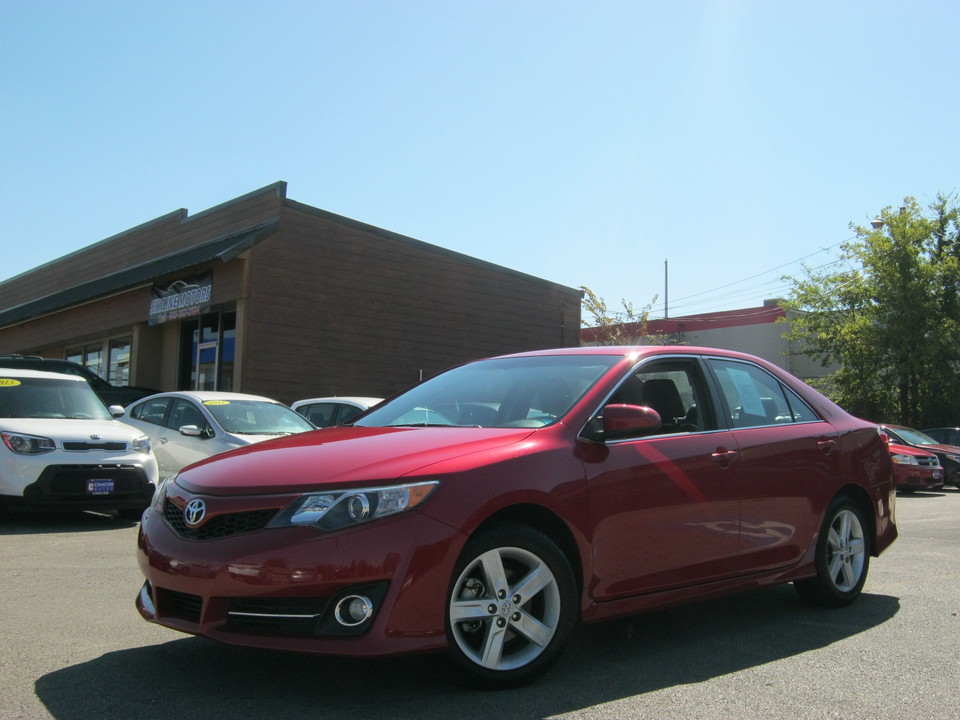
720,300
760,274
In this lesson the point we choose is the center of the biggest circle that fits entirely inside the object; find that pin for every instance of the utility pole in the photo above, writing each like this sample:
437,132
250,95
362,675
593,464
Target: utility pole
666,290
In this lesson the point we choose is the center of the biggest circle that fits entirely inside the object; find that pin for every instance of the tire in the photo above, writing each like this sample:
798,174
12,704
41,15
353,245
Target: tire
512,605
842,557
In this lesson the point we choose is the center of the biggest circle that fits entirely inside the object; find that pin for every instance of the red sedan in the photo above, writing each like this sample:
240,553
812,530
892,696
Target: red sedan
915,469
490,509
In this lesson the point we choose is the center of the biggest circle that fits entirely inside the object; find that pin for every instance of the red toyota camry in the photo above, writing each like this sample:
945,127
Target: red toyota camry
491,508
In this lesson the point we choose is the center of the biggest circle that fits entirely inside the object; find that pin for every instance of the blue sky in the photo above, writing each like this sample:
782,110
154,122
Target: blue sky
583,142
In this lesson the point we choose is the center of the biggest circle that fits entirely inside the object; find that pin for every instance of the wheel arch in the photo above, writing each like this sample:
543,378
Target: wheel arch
545,521
857,494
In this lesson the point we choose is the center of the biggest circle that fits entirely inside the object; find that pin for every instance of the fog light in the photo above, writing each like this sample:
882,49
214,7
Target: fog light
353,610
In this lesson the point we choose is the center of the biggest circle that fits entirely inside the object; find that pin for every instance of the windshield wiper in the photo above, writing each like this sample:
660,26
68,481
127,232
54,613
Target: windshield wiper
424,424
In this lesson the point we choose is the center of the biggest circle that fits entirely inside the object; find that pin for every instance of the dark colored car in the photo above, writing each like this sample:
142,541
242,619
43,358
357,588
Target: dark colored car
944,435
949,455
915,469
121,395
492,508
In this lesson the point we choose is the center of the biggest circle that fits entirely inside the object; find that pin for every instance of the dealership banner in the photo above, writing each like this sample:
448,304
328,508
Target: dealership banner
181,299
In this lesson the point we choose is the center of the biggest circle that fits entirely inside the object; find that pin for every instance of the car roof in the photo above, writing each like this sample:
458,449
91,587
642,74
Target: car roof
339,399
27,373
206,395
637,351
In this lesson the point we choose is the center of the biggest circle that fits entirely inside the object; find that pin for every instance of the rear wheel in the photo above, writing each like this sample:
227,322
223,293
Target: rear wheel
512,605
842,557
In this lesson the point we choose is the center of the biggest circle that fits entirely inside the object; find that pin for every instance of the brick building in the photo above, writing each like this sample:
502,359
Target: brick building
266,295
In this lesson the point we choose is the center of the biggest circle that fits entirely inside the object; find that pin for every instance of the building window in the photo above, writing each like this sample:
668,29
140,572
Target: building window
118,361
117,368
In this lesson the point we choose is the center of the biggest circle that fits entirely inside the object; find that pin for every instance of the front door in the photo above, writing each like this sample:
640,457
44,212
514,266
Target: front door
667,506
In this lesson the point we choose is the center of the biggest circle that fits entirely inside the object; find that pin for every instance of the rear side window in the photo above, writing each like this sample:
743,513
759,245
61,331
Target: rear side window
755,398
152,411
320,414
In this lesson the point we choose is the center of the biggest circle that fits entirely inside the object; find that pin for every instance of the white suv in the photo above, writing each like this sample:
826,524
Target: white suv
62,449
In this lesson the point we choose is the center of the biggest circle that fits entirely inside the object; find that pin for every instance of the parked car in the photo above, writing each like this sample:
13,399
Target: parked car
944,435
949,455
121,395
189,426
326,411
493,507
63,450
915,469
948,436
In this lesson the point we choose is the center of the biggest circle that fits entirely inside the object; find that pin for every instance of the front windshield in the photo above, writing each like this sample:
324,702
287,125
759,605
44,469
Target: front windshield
25,397
915,437
256,417
502,393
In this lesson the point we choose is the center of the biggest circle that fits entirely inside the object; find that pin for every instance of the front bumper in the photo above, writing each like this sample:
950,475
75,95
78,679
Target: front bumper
281,588
114,486
910,477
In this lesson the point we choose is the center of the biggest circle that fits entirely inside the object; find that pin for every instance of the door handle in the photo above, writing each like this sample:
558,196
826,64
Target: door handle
723,457
826,445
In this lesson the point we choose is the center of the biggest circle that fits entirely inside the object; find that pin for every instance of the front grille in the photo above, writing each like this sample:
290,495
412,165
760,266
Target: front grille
929,461
218,526
109,446
293,617
182,606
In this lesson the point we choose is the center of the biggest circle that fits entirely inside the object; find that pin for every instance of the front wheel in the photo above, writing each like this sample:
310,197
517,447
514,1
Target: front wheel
512,605
842,557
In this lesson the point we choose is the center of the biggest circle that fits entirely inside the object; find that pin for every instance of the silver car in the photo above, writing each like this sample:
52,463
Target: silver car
189,426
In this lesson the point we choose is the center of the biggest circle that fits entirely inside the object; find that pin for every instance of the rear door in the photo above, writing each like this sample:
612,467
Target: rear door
788,463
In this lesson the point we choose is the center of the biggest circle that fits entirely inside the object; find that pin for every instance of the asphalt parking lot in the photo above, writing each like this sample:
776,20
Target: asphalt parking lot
73,647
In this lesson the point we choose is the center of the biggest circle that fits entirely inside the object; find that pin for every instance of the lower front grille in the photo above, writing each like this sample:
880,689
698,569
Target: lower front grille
72,482
181,606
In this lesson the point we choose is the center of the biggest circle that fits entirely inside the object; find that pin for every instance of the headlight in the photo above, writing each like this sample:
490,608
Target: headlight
142,445
955,458
904,459
161,493
338,509
27,444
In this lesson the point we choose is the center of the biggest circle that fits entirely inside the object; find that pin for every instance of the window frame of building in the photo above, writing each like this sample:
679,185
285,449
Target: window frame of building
103,355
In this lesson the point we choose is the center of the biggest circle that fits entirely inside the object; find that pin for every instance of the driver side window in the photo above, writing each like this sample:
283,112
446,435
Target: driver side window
674,388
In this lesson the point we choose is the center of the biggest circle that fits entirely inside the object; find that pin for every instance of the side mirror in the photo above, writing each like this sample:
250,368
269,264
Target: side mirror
191,431
621,421
884,437
116,410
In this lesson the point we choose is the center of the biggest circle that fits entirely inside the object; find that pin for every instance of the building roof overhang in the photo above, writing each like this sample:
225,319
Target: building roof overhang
222,249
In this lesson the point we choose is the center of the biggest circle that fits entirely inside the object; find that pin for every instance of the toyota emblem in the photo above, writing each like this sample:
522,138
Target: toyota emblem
194,511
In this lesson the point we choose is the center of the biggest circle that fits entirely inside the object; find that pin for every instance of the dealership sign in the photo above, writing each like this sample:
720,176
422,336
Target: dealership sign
181,299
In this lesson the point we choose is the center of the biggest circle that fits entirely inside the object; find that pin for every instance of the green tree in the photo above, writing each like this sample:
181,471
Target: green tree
623,327
887,314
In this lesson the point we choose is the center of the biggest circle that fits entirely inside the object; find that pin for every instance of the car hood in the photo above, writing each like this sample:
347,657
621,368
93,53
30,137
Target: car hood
909,450
339,456
946,449
63,430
